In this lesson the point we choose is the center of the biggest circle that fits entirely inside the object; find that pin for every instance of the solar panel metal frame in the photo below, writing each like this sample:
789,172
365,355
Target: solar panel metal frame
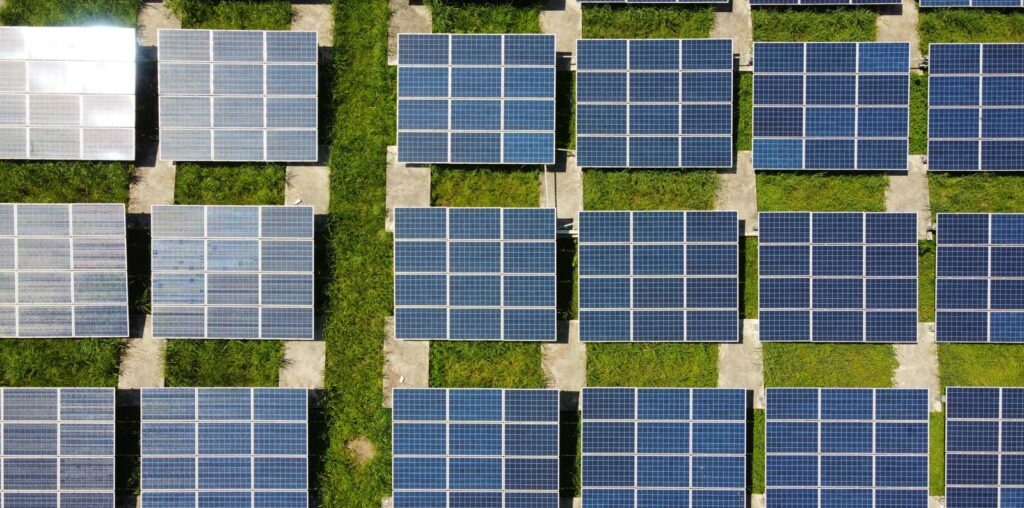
633,244
857,107
99,427
811,308
211,129
935,73
262,275
949,254
450,99
60,93
875,455
448,422
974,429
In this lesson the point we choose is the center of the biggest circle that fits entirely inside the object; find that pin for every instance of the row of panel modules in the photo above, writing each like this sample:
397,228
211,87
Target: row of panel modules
923,3
690,447
648,276
669,103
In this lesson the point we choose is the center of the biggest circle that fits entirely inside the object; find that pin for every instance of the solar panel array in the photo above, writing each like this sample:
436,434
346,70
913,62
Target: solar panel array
67,93
829,447
823,2
659,276
984,447
971,3
831,105
979,287
475,273
238,95
232,272
63,271
244,447
480,448
58,447
976,107
664,447
486,99
653,1
838,277
654,103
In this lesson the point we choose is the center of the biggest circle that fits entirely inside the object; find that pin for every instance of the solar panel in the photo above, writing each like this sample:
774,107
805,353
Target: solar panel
663,103
971,3
984,447
831,105
664,447
475,274
67,93
244,447
487,99
232,272
979,286
63,271
659,276
238,95
833,447
482,448
838,277
976,107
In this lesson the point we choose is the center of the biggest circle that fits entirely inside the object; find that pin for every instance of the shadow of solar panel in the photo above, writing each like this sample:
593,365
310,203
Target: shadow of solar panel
983,446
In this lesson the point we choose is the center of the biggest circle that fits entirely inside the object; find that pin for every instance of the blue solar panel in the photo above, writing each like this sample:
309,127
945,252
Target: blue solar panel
475,274
984,447
831,106
833,447
972,3
979,287
662,103
224,447
480,448
976,107
664,447
838,277
486,99
659,276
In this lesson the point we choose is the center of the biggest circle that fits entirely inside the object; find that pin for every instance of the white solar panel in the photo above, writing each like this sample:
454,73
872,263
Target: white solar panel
67,93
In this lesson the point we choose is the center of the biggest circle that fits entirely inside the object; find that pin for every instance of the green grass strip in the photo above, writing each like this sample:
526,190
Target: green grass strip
500,186
60,362
758,455
232,184
70,12
926,281
918,114
821,191
486,365
647,22
748,277
656,189
838,365
223,362
970,25
486,16
980,365
830,24
233,14
744,113
658,364
975,193
937,454
64,182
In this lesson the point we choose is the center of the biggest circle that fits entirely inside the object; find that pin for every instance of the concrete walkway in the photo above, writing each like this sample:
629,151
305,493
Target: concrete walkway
900,25
406,186
565,362
406,18
153,180
735,23
738,191
308,185
152,17
742,365
304,363
406,363
564,19
142,364
315,18
561,188
909,193
919,364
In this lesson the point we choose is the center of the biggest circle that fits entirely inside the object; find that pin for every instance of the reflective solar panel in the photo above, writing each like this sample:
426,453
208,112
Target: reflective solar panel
976,107
831,105
829,447
837,277
659,276
63,271
225,447
67,93
972,3
979,286
485,448
984,447
232,272
465,99
238,95
664,447
654,103
475,274
58,447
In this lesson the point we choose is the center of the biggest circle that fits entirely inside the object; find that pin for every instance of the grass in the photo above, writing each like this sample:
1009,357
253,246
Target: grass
824,192
238,184
975,192
60,362
838,365
918,114
980,365
647,22
223,362
748,277
757,457
926,281
64,182
486,16
498,186
486,365
970,25
744,112
565,110
69,12
652,364
937,454
233,14
659,189
833,24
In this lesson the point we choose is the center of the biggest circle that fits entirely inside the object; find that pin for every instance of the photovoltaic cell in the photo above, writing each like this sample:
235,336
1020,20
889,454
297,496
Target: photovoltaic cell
984,447
245,447
831,105
465,99
976,107
972,3
654,103
485,448
664,447
838,277
238,95
232,272
829,447
58,447
475,274
67,93
979,286
659,276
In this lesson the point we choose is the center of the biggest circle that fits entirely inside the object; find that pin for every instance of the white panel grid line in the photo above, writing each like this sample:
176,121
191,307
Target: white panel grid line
984,456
